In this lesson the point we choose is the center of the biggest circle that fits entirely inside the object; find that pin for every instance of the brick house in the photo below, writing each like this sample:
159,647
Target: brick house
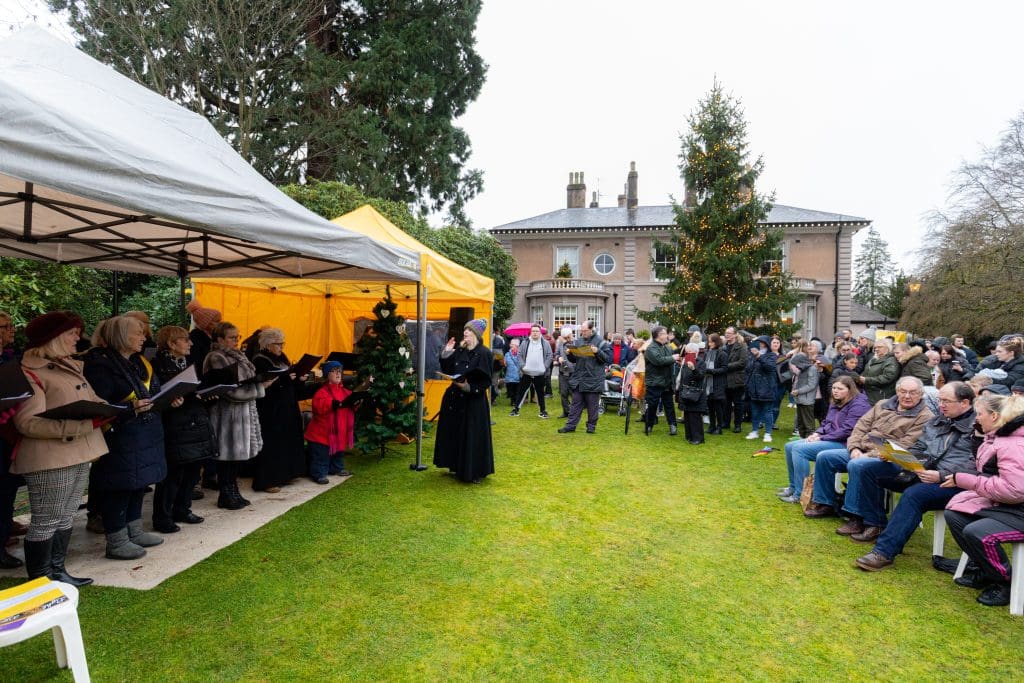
609,250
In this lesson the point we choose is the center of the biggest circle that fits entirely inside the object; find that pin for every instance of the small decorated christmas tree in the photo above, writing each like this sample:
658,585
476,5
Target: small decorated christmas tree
564,271
385,354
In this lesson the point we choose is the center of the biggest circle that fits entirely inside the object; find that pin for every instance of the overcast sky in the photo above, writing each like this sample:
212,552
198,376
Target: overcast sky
863,109
857,108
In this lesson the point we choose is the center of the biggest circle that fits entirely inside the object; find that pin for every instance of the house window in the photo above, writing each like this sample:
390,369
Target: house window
594,314
664,258
810,320
537,315
564,315
776,267
570,255
604,264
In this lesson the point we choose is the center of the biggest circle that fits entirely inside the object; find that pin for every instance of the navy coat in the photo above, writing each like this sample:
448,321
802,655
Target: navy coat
763,381
136,442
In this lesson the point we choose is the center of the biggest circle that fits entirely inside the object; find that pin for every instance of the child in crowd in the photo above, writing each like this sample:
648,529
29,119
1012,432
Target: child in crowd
331,431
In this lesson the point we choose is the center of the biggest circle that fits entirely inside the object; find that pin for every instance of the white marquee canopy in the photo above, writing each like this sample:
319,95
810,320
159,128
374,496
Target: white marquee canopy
97,170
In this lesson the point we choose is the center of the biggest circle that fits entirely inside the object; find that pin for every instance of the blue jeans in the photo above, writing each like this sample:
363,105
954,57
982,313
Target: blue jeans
780,393
761,413
865,497
914,502
800,455
828,464
322,462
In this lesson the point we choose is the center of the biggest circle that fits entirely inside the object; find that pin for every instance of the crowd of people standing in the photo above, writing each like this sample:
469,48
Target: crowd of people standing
122,444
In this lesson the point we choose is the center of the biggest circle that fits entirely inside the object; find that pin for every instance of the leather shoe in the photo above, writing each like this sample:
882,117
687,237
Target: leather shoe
818,511
590,430
8,561
869,534
166,528
873,562
565,430
737,429
672,431
647,430
973,579
996,595
854,526
190,518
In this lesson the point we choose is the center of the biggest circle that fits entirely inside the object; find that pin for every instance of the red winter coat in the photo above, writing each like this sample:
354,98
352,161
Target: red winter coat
332,428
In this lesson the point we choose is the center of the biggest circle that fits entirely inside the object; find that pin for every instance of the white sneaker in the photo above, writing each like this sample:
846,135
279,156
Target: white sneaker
767,437
752,435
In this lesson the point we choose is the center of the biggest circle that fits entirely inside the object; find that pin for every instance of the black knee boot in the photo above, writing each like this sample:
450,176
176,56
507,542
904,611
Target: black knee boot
58,553
38,558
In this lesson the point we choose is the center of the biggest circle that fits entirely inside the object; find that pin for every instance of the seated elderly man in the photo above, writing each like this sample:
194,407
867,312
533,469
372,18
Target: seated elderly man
899,419
945,448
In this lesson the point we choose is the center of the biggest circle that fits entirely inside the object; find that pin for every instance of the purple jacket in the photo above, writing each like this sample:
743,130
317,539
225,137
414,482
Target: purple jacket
839,422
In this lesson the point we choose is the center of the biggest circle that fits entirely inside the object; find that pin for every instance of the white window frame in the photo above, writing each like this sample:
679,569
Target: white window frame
564,314
537,314
596,313
573,263
654,257
610,270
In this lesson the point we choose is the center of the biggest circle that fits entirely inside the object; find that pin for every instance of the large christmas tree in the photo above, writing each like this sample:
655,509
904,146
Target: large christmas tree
385,353
727,266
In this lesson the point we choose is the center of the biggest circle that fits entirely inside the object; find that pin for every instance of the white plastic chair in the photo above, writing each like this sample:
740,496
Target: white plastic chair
1016,577
939,533
61,619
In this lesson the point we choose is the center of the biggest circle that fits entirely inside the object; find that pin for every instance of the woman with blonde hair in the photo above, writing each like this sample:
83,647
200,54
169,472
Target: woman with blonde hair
990,509
135,441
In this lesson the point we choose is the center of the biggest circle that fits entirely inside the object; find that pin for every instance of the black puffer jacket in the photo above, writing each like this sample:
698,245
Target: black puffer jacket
188,434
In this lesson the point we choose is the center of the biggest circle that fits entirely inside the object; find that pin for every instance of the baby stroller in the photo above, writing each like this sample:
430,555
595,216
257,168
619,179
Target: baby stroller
632,393
612,394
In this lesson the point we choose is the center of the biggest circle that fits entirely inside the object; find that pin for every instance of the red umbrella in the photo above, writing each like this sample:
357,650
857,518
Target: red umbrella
521,330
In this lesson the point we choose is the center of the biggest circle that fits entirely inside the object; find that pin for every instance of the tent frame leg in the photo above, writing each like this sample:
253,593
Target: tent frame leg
421,356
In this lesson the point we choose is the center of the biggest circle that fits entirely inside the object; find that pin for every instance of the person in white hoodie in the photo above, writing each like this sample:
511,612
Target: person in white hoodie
534,361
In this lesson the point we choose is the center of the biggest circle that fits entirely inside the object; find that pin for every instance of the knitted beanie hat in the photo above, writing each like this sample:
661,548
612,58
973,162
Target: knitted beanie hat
478,326
203,317
49,326
330,365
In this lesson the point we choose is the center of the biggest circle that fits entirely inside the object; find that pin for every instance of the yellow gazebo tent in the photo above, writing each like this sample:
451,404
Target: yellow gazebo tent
319,316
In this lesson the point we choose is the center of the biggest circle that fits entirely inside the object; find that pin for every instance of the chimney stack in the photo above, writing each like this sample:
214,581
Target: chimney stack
575,191
593,202
622,198
631,199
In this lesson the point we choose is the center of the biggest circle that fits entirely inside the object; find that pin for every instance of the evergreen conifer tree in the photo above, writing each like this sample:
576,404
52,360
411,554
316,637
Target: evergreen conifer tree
385,353
874,272
727,264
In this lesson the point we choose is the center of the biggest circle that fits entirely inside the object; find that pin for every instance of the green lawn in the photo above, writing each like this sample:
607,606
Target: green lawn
586,557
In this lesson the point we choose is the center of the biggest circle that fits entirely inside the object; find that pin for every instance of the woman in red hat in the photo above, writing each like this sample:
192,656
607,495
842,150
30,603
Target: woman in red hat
54,455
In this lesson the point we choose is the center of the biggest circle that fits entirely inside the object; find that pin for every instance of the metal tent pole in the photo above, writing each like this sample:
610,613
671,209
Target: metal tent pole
421,361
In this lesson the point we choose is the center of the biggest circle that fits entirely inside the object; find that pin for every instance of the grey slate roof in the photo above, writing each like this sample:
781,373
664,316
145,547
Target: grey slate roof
655,216
859,313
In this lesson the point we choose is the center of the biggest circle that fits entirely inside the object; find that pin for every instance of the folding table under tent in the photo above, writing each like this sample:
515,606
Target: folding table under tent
97,170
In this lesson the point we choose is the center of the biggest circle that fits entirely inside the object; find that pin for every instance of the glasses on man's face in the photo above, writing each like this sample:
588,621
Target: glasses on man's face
948,401
901,392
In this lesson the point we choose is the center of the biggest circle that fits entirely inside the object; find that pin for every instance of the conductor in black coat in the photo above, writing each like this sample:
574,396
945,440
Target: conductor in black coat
463,442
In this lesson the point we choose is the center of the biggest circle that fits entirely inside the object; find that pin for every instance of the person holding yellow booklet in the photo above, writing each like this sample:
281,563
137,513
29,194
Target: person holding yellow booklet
943,449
